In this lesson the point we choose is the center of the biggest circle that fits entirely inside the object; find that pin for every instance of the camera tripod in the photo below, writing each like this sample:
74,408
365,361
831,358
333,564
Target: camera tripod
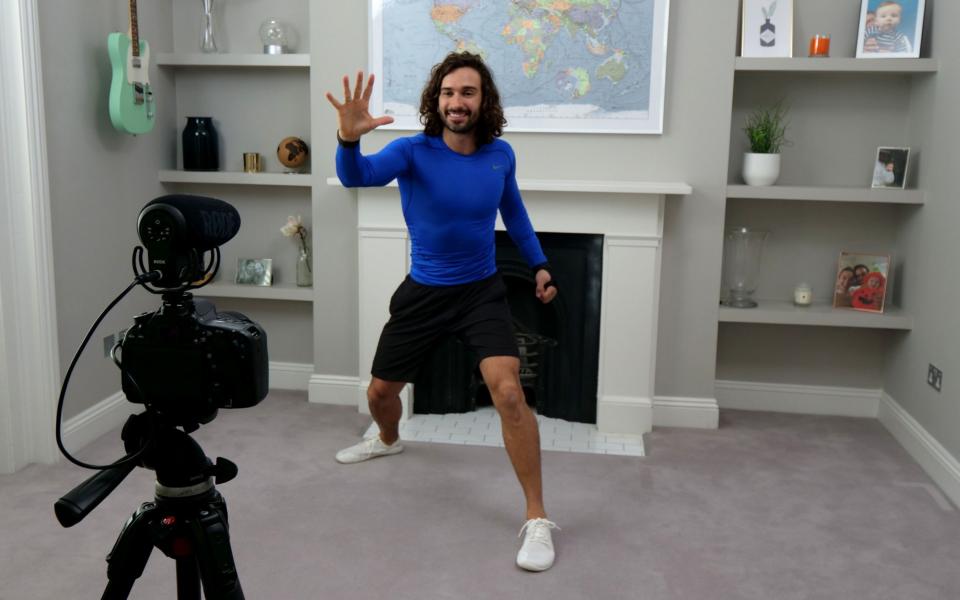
187,520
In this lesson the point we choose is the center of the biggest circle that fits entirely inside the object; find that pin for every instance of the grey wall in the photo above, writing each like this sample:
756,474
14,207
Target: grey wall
693,148
929,281
99,179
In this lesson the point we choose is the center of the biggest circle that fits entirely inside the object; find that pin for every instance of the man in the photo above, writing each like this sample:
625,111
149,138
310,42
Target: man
453,179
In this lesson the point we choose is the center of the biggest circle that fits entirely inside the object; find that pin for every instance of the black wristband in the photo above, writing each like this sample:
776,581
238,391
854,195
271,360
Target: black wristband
552,282
543,265
345,143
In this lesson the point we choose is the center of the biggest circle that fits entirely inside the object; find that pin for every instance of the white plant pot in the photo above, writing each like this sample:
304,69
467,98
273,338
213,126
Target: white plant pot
760,169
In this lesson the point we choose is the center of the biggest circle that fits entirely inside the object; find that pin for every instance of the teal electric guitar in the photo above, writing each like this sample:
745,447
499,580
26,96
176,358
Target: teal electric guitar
132,106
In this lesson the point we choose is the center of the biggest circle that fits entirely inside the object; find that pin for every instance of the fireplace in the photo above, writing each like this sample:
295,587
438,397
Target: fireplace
626,216
559,343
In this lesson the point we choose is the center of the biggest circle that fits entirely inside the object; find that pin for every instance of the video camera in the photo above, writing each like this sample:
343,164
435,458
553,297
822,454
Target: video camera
186,360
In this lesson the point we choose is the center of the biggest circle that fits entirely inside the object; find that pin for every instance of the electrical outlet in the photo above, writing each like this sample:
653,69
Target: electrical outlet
108,343
934,377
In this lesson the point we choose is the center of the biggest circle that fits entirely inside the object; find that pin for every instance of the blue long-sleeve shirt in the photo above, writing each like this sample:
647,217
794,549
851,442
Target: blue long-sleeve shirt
450,203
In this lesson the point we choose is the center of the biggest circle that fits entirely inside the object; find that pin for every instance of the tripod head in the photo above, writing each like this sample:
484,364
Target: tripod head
182,467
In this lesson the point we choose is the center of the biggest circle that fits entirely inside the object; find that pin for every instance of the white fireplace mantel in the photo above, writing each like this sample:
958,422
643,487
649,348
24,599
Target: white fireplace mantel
628,214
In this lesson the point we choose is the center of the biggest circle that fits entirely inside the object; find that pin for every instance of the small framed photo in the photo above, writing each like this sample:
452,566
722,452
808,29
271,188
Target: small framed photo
255,271
890,168
890,28
766,28
862,281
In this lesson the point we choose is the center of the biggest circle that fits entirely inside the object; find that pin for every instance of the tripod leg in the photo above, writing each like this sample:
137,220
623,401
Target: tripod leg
188,578
218,572
129,555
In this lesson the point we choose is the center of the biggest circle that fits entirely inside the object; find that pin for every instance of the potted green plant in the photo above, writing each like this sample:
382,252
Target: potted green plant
766,129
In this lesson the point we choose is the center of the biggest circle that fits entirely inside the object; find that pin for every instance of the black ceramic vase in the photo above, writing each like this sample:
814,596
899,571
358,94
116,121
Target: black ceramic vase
201,148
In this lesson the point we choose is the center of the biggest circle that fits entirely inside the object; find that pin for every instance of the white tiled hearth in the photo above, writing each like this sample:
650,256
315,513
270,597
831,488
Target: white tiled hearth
482,428
629,215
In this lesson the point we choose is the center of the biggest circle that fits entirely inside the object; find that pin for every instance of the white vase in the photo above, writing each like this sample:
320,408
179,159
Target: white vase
760,169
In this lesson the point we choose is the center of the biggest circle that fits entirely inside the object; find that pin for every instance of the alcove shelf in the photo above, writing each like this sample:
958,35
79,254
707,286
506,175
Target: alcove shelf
256,292
827,194
267,61
838,65
237,178
780,312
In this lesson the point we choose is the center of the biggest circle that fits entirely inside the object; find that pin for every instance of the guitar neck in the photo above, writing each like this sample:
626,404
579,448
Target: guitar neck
134,30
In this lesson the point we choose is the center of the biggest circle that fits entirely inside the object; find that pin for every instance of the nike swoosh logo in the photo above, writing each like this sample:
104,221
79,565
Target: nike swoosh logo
497,167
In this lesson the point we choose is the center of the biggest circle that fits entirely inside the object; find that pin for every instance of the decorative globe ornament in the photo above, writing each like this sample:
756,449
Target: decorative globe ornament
292,153
274,36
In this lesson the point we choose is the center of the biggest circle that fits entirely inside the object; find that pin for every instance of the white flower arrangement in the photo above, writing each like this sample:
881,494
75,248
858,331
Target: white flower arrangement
294,227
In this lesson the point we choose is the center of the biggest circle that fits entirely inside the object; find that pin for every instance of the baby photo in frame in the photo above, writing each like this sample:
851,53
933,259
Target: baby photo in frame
766,28
890,28
862,281
890,167
254,271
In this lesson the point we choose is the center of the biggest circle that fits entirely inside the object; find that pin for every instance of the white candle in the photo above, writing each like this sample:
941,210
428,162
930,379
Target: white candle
803,295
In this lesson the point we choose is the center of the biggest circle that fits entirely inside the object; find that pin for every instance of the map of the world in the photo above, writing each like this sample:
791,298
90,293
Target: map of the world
560,65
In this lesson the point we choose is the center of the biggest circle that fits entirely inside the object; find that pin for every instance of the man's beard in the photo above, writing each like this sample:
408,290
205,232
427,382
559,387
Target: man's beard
467,126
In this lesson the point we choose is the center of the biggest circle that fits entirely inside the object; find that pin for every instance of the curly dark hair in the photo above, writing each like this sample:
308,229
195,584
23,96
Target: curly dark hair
491,121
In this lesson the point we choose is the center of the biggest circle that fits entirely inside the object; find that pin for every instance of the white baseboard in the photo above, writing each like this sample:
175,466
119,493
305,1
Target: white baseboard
624,414
290,376
101,418
939,464
806,399
678,411
334,389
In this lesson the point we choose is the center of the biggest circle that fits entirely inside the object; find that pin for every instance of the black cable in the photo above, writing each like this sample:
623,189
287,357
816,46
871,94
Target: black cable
139,280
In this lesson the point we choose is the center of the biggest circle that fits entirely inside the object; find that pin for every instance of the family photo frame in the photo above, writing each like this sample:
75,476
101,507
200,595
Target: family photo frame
890,167
254,271
890,28
862,281
766,28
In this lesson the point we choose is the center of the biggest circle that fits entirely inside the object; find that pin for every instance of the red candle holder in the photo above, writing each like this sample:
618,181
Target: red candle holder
820,46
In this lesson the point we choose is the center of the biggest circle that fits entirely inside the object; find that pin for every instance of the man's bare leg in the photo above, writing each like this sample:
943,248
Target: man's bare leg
383,398
521,435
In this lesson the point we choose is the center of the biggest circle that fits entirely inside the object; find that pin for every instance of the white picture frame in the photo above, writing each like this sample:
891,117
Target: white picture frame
901,40
766,28
402,63
254,271
890,167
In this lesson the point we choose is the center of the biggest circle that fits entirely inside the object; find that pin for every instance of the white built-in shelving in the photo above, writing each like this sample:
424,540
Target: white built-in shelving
230,62
827,194
237,178
779,312
266,61
838,65
256,292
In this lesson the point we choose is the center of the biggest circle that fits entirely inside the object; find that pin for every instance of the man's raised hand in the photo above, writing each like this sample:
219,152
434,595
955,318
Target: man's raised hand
353,114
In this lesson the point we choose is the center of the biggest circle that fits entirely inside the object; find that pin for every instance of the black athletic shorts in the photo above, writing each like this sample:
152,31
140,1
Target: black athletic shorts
421,315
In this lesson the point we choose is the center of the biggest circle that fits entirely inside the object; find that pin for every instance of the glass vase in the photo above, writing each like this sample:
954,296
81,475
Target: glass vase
304,269
742,251
208,42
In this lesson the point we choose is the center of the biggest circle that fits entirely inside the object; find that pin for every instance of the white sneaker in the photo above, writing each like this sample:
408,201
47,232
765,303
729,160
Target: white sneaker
367,449
536,554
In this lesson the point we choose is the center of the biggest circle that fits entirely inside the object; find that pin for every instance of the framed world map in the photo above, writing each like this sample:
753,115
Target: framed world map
571,66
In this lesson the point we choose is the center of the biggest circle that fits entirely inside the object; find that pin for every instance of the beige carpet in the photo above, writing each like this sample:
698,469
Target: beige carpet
768,507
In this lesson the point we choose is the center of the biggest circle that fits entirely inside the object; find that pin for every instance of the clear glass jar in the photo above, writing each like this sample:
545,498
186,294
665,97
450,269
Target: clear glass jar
304,269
